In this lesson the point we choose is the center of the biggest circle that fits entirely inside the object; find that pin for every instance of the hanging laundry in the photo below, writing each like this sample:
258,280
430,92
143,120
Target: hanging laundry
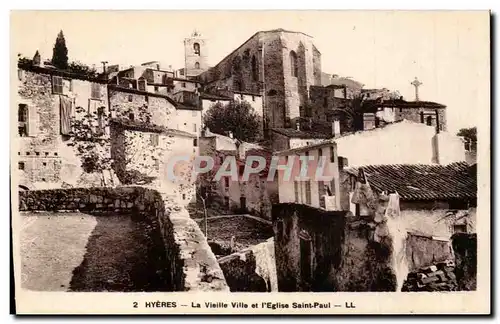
363,195
265,264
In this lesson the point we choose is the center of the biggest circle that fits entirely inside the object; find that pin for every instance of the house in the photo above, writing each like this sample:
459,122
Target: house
143,153
404,142
435,200
312,191
289,138
254,195
47,101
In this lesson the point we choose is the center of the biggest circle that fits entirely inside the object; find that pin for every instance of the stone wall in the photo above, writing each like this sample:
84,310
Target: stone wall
251,270
344,255
193,266
414,114
465,248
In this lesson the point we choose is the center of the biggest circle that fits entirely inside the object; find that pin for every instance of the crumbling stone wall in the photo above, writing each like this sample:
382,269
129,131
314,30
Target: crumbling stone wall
193,266
413,114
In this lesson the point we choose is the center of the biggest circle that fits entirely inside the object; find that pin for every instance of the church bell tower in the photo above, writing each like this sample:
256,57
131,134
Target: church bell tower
195,51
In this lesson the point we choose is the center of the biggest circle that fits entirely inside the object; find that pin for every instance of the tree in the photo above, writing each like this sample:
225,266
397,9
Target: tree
93,147
352,114
237,117
468,133
60,52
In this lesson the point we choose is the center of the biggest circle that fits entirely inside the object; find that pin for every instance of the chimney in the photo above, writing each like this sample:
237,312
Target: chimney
437,122
335,128
37,60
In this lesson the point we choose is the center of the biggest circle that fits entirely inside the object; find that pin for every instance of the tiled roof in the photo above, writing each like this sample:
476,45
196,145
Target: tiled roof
210,96
423,182
184,106
136,125
399,103
292,132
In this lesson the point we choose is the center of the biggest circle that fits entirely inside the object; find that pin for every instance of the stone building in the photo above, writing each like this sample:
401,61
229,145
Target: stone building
47,100
311,190
255,195
143,152
278,64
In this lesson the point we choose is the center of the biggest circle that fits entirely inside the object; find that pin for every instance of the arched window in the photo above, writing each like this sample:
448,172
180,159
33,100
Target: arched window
293,63
255,69
196,48
197,65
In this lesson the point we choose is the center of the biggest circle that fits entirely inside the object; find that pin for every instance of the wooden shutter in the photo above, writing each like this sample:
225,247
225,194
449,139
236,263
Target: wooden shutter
33,121
296,189
308,192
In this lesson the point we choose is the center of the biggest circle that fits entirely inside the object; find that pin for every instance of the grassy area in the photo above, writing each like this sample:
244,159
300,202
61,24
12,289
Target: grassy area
80,252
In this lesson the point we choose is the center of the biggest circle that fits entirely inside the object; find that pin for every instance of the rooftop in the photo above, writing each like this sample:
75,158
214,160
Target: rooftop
400,103
140,126
210,96
293,132
422,182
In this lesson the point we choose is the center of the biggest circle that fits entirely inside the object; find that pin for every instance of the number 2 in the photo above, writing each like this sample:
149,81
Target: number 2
135,304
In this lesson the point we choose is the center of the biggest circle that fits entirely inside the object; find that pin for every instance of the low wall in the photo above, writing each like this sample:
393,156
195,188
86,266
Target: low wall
193,265
251,270
465,248
423,251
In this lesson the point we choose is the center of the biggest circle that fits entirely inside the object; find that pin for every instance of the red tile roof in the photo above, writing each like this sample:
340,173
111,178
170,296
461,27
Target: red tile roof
423,182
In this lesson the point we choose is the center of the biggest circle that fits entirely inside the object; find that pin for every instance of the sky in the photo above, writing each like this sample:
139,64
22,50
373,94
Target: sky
448,51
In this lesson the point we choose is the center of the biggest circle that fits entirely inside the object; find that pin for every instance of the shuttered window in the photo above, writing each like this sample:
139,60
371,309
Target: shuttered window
57,85
308,192
296,188
95,92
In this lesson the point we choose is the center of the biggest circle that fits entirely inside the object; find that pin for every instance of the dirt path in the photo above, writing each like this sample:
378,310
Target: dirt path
79,252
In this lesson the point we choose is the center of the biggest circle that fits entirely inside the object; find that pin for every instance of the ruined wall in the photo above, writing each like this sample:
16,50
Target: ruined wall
252,269
193,266
465,249
414,114
425,250
345,257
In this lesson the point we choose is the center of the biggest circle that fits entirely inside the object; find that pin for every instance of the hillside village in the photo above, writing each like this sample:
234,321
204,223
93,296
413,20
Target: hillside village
119,127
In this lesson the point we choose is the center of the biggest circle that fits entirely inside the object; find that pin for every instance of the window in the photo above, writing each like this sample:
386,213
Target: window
20,165
142,85
196,48
156,89
100,120
195,142
95,91
400,110
226,182
57,84
460,228
293,64
183,84
44,163
241,169
255,69
22,118
296,190
308,192
154,139
197,65
467,144
429,120
130,98
253,98
131,116
194,128
332,155
181,72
